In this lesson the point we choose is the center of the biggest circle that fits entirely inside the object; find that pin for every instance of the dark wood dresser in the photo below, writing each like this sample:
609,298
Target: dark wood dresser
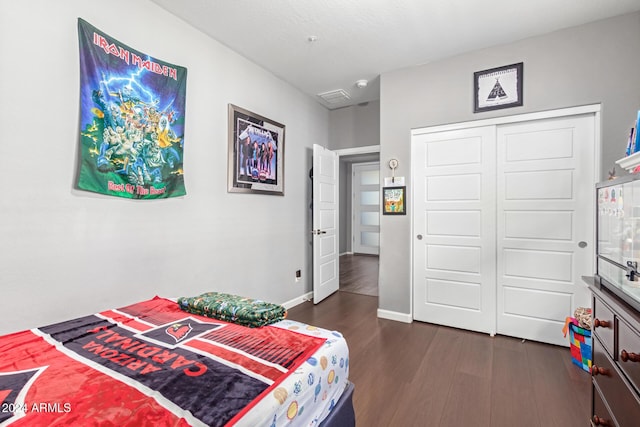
615,373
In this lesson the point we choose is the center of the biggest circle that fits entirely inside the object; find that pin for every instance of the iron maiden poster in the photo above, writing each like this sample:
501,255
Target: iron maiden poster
131,120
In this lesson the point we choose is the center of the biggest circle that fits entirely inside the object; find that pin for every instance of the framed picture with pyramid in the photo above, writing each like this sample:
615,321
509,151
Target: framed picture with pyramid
497,88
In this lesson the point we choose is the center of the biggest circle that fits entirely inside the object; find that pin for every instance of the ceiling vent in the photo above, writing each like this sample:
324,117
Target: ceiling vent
335,96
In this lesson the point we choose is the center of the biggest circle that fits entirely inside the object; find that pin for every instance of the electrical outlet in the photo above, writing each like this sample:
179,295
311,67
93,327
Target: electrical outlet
298,275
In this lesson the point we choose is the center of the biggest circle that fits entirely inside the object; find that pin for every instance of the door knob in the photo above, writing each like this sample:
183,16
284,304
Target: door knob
419,236
582,244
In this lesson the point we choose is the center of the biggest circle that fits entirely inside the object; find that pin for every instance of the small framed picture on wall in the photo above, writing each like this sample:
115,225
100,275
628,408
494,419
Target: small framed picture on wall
394,201
498,88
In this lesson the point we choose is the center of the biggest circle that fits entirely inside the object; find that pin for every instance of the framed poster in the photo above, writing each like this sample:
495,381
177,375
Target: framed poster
256,153
394,201
498,88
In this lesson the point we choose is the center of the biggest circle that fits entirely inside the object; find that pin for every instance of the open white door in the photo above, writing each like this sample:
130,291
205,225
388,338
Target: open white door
325,223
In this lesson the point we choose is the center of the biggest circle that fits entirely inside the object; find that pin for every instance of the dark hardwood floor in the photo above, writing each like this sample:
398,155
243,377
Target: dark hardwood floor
421,374
359,274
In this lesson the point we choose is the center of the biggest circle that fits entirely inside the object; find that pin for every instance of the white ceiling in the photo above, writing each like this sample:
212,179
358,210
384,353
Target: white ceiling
361,39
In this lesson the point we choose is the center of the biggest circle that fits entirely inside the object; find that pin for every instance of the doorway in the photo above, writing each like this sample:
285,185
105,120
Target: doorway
359,259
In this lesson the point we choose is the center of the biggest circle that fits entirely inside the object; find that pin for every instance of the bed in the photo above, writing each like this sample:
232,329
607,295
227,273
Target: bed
151,363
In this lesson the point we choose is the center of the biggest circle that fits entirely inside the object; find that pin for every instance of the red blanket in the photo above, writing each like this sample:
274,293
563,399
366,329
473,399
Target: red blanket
146,364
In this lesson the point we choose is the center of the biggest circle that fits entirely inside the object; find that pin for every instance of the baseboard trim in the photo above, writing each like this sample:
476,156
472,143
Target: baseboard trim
298,300
394,315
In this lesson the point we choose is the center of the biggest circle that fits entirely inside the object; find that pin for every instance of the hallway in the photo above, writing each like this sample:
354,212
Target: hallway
359,274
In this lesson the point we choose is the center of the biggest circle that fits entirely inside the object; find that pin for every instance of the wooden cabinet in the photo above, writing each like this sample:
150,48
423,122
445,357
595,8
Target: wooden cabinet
616,361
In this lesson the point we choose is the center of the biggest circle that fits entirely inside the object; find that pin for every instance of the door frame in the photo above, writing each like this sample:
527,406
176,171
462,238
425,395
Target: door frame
355,151
594,109
370,149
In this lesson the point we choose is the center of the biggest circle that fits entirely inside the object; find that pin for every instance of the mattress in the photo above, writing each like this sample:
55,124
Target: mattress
152,364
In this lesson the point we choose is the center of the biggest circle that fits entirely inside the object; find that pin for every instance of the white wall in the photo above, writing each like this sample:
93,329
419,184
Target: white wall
589,64
65,252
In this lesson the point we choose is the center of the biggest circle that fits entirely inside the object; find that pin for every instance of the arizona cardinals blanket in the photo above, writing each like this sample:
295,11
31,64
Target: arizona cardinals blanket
149,363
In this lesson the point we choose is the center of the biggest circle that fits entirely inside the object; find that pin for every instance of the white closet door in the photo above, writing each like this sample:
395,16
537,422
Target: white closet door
545,224
454,213
366,208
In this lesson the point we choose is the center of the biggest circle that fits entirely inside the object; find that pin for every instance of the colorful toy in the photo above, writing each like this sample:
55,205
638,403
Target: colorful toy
579,342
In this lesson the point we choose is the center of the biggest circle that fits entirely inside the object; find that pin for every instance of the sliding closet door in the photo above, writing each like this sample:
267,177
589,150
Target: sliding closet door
545,223
454,212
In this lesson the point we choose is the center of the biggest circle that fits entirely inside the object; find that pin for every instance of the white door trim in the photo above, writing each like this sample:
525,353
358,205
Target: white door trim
357,150
594,109
562,112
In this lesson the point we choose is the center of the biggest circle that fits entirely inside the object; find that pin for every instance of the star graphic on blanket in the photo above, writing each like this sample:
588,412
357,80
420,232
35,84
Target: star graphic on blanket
13,389
3,396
